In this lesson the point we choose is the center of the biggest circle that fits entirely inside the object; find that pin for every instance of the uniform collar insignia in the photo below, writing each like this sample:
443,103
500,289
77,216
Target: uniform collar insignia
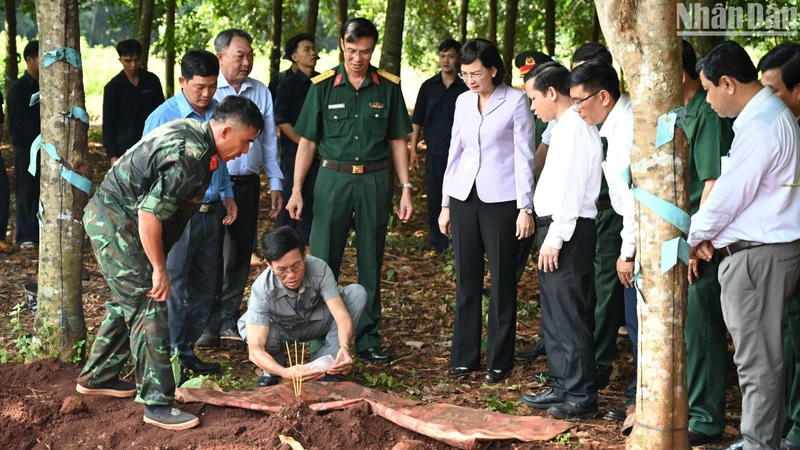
214,163
375,79
338,80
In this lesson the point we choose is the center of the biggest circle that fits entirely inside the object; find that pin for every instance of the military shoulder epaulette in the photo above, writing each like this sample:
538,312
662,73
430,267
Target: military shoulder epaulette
389,76
323,76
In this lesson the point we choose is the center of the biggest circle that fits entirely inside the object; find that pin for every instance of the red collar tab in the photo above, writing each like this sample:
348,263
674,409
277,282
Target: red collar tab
214,163
338,80
375,79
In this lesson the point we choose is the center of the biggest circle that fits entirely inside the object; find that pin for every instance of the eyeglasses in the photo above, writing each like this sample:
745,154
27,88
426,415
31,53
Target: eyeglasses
362,53
471,76
578,103
295,268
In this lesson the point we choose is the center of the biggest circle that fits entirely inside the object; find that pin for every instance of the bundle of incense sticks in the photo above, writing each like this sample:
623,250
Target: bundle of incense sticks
296,370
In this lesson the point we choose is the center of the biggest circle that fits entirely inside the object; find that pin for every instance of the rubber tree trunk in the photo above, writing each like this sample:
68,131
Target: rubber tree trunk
492,35
12,70
145,28
550,26
276,25
59,321
509,36
341,10
169,51
311,19
641,36
392,48
462,21
702,44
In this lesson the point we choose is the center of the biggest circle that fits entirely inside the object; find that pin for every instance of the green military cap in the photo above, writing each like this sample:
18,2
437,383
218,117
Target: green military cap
527,60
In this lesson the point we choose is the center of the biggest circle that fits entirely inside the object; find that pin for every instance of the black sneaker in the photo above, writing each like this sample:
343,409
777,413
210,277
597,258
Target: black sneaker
572,411
169,417
117,388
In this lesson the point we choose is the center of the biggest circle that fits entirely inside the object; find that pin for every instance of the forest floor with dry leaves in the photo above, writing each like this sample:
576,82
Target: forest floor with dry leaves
418,296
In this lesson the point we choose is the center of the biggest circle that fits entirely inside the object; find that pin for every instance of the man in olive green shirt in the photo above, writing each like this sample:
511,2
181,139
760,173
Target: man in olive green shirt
709,138
780,70
354,117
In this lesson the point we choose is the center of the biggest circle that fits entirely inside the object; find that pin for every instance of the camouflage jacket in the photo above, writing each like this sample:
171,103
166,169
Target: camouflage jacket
165,173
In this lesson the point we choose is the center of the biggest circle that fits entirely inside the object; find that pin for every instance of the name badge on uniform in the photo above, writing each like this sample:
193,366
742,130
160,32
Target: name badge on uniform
377,105
336,106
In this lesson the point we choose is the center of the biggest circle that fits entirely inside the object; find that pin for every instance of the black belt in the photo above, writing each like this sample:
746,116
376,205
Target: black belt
545,221
354,168
736,247
603,204
243,178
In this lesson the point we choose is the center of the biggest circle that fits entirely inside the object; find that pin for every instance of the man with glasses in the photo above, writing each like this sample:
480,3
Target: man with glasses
296,300
354,118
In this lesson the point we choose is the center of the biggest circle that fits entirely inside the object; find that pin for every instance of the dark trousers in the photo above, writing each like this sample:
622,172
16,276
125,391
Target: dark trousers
632,324
5,200
567,316
609,309
237,246
302,226
27,192
523,254
791,356
479,228
435,166
192,265
706,351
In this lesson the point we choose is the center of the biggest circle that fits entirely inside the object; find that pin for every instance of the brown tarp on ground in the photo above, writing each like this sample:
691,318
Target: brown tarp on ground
455,425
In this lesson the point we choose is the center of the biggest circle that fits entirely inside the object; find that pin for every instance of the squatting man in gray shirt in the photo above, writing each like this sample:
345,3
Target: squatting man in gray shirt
296,300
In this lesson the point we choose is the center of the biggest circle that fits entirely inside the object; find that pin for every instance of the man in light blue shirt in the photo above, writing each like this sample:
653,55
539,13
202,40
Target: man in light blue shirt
193,262
235,54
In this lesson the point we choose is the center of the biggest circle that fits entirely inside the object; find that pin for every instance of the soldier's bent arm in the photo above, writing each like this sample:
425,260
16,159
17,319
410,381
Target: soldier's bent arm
306,152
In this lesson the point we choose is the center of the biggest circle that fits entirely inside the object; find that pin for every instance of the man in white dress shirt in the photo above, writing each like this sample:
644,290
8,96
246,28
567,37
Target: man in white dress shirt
235,54
565,204
750,216
594,88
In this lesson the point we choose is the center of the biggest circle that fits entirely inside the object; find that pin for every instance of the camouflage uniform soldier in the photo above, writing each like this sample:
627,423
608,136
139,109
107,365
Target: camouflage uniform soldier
137,214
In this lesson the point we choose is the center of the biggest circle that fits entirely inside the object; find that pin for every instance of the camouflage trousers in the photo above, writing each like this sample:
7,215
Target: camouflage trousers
133,323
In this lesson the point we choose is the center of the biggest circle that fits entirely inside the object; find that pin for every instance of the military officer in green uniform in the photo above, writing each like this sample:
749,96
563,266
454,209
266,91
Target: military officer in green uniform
709,138
138,212
780,70
354,118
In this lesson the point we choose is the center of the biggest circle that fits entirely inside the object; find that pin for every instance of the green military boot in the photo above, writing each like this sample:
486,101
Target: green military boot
169,417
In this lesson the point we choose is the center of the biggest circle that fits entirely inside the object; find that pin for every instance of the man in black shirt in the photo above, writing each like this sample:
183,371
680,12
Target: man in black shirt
128,99
434,110
288,103
24,125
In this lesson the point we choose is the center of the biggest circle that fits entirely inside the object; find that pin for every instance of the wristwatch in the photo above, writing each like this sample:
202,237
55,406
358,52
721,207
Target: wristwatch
528,210
407,185
627,259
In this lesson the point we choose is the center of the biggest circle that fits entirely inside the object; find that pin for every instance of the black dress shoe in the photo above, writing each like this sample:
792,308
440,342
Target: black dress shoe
789,445
495,376
737,444
193,363
697,438
459,372
544,400
231,334
208,340
620,412
267,379
572,410
374,354
533,353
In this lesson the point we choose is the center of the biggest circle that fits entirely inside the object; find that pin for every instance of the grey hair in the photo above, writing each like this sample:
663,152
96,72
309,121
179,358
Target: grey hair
224,38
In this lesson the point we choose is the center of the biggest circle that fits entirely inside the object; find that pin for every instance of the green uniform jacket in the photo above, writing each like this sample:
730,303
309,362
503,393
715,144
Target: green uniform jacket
354,126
